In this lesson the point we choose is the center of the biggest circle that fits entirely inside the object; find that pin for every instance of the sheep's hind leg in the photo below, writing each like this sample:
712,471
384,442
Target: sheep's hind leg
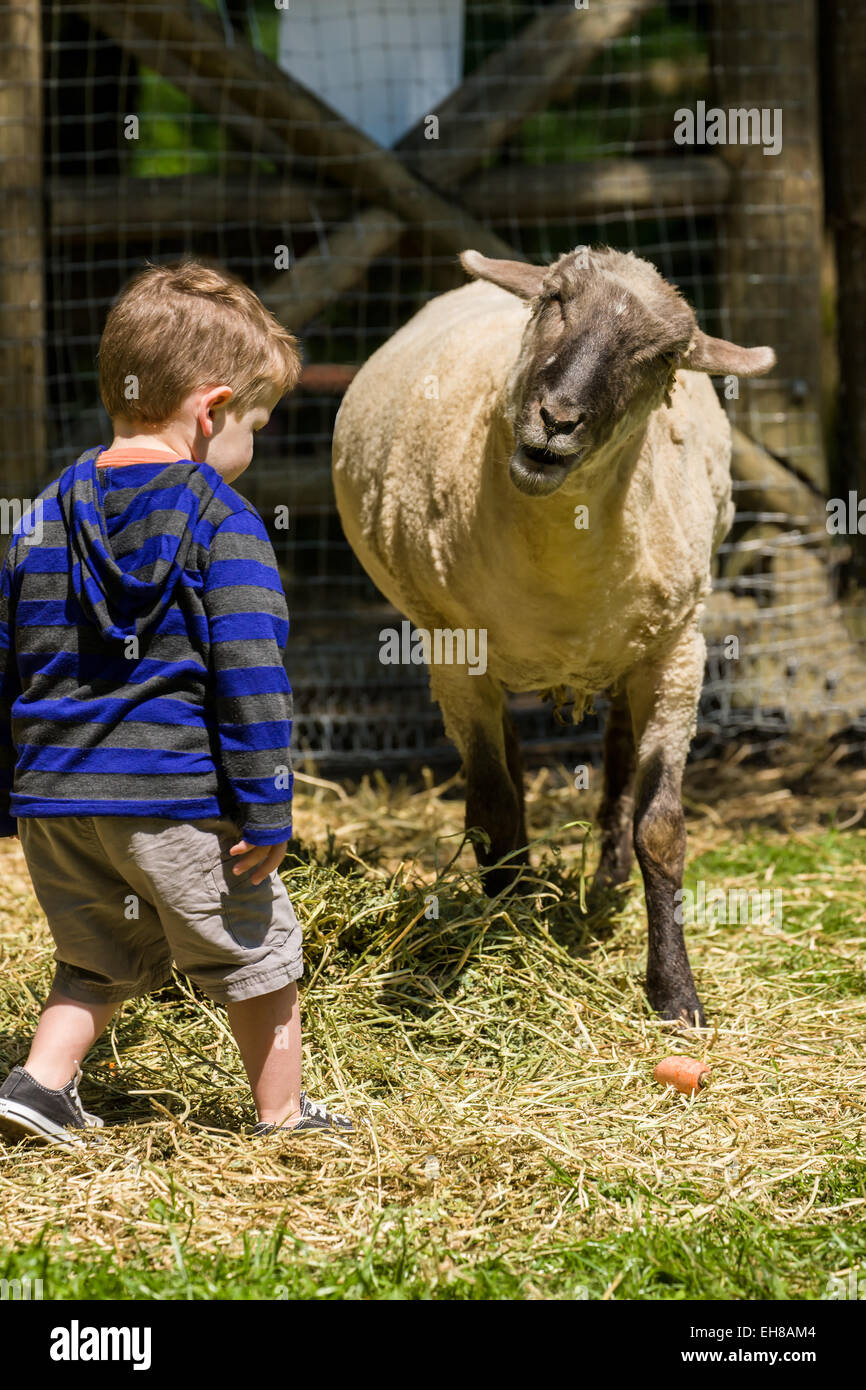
514,760
475,718
617,802
663,698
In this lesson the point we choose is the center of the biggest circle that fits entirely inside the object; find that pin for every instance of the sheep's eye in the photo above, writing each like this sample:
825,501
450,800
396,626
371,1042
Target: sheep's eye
669,358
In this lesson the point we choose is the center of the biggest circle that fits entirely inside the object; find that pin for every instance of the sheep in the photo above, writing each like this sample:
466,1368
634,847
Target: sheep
540,454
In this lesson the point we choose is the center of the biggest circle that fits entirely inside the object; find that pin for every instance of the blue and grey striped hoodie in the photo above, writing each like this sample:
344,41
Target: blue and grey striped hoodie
142,632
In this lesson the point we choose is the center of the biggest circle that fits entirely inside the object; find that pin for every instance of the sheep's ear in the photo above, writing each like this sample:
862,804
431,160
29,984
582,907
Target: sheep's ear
722,358
515,276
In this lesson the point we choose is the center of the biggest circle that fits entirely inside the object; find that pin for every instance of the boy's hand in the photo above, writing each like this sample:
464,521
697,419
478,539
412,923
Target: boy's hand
265,857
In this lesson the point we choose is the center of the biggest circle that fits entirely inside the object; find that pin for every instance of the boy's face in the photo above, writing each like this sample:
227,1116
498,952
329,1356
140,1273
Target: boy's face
229,447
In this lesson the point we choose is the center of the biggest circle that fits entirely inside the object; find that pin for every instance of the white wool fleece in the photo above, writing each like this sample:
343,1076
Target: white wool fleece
421,454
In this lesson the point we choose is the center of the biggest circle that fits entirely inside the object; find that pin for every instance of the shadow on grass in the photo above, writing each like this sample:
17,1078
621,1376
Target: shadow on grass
452,932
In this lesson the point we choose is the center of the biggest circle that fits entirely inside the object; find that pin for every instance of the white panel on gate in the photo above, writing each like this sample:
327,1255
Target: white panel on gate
383,64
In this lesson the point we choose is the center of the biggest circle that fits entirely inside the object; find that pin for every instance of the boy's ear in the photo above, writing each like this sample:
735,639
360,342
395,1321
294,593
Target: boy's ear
213,399
219,396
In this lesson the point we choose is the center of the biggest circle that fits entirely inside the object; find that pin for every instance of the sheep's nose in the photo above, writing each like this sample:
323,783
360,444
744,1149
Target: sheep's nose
556,426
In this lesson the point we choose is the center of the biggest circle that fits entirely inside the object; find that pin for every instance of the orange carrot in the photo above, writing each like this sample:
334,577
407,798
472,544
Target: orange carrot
683,1073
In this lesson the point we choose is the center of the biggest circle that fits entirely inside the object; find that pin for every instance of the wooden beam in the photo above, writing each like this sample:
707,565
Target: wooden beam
529,192
327,378
187,44
299,294
772,232
22,313
844,43
550,54
771,487
106,209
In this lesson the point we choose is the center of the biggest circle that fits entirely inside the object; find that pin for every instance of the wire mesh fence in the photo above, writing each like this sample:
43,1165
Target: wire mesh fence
337,157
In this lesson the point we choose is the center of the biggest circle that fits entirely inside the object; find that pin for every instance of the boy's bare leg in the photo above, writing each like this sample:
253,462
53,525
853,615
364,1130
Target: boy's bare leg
268,1032
64,1035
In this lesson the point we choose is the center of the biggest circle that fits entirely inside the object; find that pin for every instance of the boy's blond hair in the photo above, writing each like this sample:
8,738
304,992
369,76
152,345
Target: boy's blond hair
179,327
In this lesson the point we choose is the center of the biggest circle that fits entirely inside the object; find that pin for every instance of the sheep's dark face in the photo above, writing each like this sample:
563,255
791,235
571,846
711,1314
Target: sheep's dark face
594,363
599,354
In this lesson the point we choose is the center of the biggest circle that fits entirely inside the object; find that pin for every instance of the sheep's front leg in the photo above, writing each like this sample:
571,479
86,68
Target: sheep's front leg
663,697
476,719
617,801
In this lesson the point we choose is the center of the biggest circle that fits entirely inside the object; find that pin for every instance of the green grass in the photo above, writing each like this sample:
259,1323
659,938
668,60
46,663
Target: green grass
736,1257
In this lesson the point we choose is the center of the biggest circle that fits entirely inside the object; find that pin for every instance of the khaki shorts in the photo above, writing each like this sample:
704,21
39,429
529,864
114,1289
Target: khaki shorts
126,895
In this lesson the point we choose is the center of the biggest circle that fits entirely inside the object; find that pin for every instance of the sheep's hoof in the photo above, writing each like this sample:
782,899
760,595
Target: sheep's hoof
614,867
675,1009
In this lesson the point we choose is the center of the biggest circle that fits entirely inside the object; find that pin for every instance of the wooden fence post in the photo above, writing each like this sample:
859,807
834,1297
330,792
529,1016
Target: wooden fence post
766,58
22,316
844,51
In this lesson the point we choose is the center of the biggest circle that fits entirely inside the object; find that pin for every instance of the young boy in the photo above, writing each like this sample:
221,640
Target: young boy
145,706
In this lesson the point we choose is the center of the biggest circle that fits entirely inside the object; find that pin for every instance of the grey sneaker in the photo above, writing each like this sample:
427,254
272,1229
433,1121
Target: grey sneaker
29,1108
313,1116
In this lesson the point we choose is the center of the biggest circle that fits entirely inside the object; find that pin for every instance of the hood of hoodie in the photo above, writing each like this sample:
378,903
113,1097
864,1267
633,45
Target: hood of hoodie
122,604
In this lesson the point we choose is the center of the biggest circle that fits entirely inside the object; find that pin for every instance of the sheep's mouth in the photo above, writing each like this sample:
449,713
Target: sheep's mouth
538,471
546,458
542,456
